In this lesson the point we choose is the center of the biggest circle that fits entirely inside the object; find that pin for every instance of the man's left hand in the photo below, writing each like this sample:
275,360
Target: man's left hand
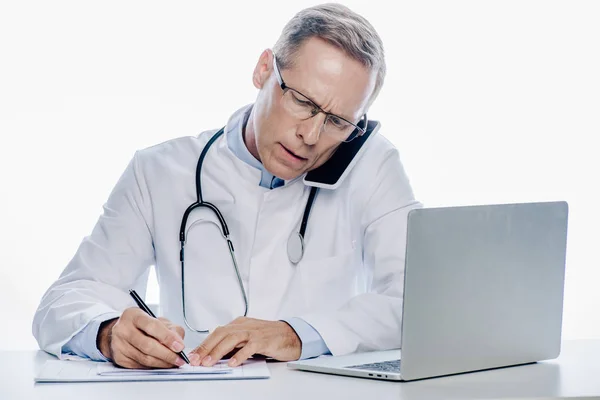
275,339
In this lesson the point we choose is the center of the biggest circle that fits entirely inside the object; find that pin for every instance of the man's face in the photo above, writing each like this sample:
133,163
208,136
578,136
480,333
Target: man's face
288,146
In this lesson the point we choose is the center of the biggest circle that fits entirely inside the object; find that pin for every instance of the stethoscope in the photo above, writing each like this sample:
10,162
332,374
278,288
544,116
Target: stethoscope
295,243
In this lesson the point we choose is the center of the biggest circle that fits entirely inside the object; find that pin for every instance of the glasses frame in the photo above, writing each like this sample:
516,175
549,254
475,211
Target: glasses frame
357,131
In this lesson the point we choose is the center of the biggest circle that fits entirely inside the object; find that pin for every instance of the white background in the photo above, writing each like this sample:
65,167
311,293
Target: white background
488,102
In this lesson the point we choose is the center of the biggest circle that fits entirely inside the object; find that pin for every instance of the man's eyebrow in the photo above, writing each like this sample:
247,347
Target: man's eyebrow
317,104
343,116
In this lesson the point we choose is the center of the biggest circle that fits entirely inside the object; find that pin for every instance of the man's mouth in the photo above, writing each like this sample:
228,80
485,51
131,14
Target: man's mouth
293,154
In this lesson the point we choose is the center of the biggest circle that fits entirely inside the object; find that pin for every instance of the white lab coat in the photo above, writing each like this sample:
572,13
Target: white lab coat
348,286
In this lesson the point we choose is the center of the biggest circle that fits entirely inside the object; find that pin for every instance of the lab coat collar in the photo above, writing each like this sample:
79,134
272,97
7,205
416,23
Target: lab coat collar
237,145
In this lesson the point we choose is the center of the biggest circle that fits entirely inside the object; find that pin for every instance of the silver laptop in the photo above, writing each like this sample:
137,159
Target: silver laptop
483,288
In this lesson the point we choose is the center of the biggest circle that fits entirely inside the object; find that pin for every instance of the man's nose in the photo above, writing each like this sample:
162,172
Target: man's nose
312,129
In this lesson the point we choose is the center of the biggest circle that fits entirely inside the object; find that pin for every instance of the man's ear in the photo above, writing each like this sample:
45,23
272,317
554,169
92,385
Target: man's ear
263,69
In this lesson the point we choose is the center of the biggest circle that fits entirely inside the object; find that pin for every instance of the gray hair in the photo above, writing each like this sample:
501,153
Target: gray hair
339,26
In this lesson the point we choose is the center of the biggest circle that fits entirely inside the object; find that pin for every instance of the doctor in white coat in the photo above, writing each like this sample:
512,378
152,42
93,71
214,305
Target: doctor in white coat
344,295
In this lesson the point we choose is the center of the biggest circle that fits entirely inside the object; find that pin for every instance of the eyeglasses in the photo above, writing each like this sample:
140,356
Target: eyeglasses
303,108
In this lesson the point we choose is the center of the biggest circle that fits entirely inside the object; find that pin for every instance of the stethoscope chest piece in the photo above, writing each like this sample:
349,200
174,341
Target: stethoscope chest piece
295,247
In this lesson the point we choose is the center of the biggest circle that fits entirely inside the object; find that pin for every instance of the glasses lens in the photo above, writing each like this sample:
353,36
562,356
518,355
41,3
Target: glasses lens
298,105
339,128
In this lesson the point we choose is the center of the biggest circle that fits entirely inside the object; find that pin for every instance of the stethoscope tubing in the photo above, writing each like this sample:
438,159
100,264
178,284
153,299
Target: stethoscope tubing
294,254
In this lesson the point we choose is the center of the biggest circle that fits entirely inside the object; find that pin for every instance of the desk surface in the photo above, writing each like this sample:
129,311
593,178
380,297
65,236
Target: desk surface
575,373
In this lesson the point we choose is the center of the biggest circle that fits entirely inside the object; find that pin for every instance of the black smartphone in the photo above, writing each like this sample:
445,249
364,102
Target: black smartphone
331,174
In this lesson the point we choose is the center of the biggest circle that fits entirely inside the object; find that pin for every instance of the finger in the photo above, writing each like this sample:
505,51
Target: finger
208,344
121,359
152,350
225,346
178,330
126,362
232,352
228,355
146,360
175,328
158,330
243,354
150,361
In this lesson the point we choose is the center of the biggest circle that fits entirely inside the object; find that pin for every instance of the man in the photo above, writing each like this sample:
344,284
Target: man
344,295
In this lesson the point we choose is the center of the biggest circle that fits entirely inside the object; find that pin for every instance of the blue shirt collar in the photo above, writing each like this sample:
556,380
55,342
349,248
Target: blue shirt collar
235,141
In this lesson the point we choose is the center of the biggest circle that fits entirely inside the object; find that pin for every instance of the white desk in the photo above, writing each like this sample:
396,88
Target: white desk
575,373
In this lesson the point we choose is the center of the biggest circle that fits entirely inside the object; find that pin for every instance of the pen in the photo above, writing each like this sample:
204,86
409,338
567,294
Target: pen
147,309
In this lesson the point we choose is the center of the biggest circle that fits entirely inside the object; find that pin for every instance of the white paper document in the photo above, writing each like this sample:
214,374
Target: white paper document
110,369
91,371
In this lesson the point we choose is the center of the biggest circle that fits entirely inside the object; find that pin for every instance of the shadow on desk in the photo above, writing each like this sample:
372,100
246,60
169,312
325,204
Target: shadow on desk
528,380
523,379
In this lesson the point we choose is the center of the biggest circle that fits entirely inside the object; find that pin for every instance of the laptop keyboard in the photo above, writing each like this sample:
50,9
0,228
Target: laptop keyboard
385,366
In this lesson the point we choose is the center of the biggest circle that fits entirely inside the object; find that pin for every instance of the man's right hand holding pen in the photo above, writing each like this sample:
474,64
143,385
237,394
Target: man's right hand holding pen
137,340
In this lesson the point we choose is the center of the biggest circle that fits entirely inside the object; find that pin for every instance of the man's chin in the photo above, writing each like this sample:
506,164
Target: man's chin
284,172
289,176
